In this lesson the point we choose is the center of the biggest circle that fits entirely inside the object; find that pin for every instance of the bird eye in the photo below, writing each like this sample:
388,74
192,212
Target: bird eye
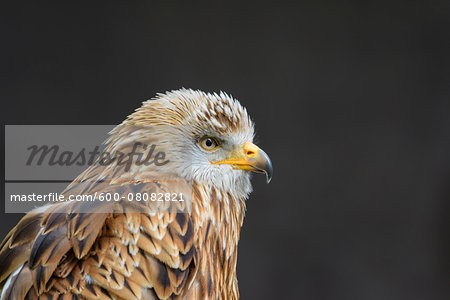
209,143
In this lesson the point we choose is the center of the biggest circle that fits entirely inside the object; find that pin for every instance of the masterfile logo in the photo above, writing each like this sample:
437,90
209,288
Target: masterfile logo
43,164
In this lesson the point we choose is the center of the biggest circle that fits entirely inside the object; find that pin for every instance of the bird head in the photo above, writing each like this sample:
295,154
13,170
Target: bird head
206,138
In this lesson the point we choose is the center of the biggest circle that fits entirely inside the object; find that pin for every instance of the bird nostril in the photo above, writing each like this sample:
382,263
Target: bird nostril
250,153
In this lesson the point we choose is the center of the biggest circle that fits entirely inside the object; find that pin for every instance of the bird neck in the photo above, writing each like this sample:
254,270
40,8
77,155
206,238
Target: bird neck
221,218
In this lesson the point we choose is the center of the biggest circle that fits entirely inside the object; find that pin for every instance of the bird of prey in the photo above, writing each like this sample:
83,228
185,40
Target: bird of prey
146,249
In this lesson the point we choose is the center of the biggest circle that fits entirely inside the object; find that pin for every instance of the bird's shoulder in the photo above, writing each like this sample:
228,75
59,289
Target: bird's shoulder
100,249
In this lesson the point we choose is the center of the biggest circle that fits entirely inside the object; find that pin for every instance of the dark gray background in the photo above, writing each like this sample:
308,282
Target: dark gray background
350,99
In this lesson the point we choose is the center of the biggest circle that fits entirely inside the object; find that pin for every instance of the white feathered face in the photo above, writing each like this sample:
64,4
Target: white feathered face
208,137
221,150
218,160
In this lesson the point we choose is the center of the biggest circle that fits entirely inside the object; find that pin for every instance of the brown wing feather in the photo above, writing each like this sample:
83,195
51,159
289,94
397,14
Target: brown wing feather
19,284
120,253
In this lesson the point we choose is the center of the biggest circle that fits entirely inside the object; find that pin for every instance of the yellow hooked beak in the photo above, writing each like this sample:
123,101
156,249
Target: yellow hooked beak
251,158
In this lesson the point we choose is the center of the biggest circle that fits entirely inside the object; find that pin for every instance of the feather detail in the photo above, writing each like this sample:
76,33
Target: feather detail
18,284
131,249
